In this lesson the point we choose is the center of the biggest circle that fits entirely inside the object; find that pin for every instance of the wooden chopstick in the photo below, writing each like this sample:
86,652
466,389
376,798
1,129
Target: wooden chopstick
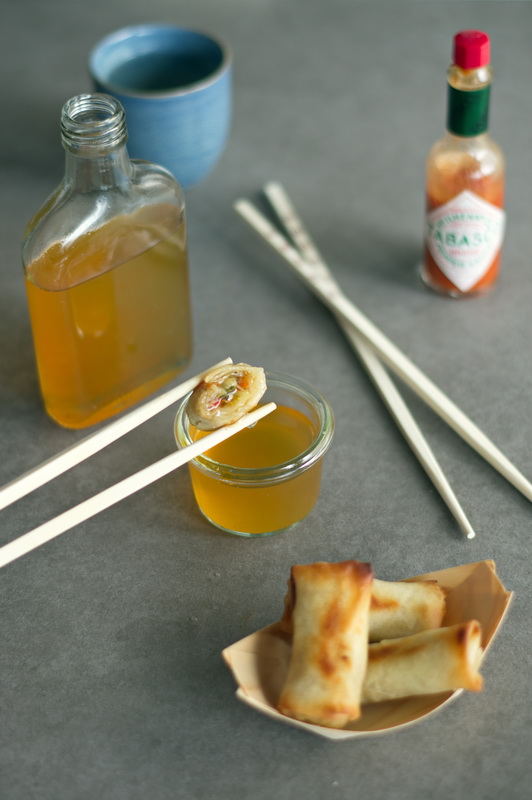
95,442
393,357
293,224
108,497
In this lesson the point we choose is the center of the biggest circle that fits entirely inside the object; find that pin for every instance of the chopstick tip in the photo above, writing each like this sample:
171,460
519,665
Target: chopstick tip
272,184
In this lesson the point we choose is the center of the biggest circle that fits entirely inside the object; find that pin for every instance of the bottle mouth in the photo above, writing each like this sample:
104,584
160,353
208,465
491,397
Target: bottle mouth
93,121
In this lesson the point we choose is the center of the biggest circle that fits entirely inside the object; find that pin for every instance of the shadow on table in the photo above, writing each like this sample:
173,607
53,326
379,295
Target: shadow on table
18,372
353,249
377,256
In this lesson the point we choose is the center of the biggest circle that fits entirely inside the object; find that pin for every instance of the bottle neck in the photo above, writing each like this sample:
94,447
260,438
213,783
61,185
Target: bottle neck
94,136
98,172
468,100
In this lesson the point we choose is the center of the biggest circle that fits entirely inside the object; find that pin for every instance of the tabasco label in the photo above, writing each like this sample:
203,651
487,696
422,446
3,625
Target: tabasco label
464,235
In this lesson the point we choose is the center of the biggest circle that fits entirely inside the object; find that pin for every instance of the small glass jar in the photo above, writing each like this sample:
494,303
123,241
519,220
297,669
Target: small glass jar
267,478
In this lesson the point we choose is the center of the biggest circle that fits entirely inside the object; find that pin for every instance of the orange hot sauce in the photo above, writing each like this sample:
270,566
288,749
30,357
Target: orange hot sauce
465,182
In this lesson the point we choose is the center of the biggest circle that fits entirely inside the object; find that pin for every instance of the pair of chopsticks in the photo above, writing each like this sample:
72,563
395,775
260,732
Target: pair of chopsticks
90,445
372,347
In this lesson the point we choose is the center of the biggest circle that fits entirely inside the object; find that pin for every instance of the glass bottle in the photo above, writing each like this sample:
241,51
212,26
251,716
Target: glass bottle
106,272
465,175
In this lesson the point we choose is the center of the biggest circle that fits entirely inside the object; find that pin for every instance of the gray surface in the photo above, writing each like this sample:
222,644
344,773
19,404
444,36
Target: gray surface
112,685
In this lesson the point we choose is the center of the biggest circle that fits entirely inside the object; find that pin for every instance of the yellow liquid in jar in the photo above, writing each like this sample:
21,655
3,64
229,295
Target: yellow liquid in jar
256,509
110,315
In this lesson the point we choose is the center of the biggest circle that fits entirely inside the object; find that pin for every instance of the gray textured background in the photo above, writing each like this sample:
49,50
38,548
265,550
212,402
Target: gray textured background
112,685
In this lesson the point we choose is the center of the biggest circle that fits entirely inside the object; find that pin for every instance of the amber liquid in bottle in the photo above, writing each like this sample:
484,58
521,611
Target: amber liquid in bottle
122,330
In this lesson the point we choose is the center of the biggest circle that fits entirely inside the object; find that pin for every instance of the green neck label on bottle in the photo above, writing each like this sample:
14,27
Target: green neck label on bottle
468,111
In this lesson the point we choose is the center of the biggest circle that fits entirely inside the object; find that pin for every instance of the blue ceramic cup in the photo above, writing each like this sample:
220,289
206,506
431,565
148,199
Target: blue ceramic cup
175,87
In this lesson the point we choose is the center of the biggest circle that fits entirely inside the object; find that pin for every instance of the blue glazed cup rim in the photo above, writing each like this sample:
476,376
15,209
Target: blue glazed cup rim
123,34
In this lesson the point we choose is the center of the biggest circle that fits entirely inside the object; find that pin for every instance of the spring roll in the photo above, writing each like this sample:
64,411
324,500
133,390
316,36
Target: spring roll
330,642
402,608
224,395
439,660
397,609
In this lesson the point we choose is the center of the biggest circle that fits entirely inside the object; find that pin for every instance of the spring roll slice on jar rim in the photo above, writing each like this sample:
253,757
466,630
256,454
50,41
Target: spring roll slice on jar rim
330,642
224,395
429,662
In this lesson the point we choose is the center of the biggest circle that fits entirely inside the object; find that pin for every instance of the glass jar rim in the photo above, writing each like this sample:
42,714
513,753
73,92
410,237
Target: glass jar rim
278,472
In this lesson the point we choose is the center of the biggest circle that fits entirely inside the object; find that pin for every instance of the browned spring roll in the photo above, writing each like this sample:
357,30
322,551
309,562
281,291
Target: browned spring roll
404,607
432,661
330,642
397,608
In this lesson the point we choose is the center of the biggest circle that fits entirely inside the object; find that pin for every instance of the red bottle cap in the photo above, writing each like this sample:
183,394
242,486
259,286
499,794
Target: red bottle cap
471,49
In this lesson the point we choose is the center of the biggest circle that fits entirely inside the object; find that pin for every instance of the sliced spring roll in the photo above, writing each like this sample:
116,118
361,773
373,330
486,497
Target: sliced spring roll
224,395
402,608
439,660
397,608
330,642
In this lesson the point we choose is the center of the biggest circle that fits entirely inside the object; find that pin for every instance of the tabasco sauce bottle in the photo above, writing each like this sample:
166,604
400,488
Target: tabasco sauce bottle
465,219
